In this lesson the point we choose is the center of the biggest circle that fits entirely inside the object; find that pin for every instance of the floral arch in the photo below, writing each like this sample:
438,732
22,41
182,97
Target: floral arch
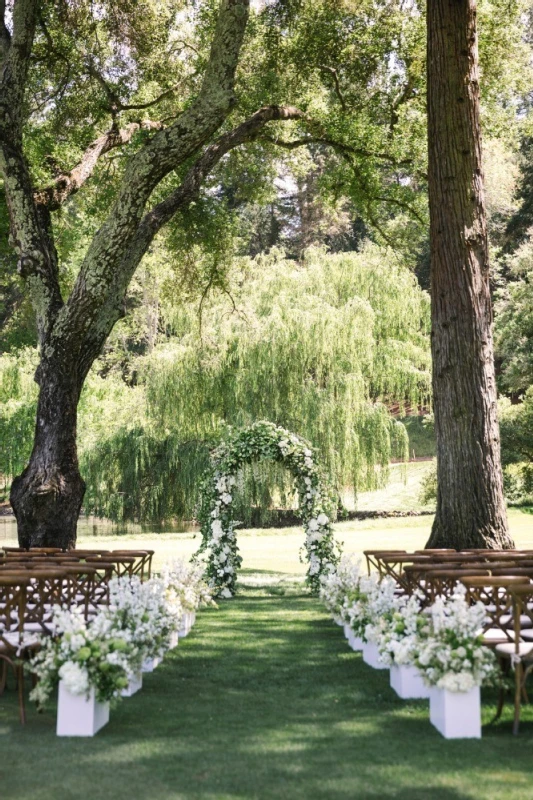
263,440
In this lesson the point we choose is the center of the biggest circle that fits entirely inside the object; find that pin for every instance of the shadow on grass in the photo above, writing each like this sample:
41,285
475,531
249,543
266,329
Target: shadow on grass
263,700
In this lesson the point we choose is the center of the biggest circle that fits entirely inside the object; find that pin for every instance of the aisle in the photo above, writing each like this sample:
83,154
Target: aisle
262,701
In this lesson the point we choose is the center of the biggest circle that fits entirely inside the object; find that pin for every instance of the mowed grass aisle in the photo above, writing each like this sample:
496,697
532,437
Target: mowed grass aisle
263,700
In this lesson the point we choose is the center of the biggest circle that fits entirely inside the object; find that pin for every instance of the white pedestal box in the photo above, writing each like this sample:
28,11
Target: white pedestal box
355,642
77,716
174,639
407,682
187,621
149,664
347,631
136,683
371,656
457,715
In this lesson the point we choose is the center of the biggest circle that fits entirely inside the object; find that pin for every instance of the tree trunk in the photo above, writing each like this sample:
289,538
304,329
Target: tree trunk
470,504
47,497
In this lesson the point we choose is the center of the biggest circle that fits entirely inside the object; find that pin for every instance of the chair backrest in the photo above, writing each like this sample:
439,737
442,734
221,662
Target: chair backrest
522,598
373,558
443,582
46,589
80,587
143,561
13,598
122,564
495,594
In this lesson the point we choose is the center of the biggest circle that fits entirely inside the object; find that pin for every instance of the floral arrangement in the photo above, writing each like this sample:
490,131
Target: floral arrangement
83,655
379,603
106,652
355,604
142,610
398,631
336,586
263,440
443,641
185,587
448,651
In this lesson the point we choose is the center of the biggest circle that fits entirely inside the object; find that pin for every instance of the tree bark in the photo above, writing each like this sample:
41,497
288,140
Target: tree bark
470,504
47,497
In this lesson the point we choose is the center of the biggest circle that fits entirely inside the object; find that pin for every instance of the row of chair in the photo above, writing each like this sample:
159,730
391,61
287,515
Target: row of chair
501,580
32,582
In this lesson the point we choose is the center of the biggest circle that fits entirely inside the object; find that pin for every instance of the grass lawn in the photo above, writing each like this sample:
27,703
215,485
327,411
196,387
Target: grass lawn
265,700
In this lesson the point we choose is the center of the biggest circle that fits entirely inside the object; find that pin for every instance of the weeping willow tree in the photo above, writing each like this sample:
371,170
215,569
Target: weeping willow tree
323,348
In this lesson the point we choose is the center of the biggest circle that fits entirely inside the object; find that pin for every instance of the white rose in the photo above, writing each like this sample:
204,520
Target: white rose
322,519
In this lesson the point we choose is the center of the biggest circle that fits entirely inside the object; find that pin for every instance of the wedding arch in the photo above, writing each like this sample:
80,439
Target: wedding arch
263,441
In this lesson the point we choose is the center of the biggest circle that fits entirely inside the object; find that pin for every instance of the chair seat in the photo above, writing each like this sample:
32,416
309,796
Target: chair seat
493,636
13,639
525,649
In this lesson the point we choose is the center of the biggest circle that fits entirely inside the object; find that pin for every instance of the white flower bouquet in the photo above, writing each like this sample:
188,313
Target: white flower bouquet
336,586
357,608
397,631
185,587
84,656
448,652
142,610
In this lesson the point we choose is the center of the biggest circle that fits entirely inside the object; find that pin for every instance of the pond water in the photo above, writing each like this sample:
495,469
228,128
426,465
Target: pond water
92,527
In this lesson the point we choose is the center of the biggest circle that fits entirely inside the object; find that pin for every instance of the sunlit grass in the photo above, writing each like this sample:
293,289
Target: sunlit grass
263,701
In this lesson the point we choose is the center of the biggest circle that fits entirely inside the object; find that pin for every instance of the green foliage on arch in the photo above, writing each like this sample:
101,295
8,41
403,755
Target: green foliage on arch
263,441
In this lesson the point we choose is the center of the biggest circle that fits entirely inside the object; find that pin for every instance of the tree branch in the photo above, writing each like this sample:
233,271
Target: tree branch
30,228
336,145
68,183
167,149
17,59
332,71
149,103
163,212
5,36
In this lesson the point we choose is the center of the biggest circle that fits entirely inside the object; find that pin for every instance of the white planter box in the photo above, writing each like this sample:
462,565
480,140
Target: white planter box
136,683
457,715
77,716
174,639
355,642
407,682
187,621
347,631
371,656
149,664
338,621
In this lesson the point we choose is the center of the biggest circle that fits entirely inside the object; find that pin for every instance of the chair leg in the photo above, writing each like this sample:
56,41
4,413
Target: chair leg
517,697
20,684
3,675
501,703
504,667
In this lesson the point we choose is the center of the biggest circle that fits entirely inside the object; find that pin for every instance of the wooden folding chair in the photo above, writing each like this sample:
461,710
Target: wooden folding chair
143,561
443,582
373,558
519,652
13,595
